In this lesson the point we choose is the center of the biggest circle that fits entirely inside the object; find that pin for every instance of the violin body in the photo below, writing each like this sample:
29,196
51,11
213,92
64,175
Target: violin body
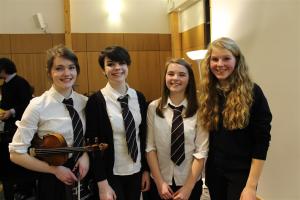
54,150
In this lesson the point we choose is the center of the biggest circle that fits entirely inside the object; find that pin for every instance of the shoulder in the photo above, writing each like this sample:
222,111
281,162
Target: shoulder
154,104
257,92
40,101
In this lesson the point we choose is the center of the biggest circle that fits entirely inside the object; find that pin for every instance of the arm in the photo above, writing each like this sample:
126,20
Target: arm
62,173
249,192
143,135
164,190
95,127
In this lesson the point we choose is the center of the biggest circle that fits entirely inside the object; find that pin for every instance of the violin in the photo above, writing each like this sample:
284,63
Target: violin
53,148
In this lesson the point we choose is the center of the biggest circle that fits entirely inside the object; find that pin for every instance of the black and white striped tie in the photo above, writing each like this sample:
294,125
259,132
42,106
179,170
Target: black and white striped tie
129,128
177,136
77,126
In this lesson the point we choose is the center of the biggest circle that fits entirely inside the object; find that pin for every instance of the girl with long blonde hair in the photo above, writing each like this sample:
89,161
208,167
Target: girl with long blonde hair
236,113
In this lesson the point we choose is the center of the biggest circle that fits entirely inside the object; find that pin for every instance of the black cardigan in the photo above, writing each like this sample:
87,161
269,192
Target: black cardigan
234,149
98,125
16,94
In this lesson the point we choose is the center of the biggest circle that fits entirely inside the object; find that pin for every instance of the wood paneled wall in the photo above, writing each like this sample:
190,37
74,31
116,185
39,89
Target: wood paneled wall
193,39
149,53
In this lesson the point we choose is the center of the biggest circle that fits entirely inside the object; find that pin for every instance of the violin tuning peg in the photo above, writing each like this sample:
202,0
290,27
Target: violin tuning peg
87,141
96,140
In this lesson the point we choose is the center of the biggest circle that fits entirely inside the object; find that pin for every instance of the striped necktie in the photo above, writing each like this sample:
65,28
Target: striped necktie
177,136
77,126
129,128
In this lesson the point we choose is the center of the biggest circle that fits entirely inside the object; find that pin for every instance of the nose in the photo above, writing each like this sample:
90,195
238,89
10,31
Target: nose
67,71
220,62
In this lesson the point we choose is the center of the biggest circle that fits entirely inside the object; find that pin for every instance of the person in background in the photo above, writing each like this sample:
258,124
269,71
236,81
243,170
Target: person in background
47,114
116,115
16,93
236,113
176,144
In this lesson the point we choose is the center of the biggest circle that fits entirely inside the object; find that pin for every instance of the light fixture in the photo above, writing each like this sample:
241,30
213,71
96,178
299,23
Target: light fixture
197,56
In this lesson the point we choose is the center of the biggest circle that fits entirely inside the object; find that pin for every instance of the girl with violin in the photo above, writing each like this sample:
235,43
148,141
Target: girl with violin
47,114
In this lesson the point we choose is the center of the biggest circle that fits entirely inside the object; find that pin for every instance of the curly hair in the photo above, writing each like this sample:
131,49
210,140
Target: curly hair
238,95
190,91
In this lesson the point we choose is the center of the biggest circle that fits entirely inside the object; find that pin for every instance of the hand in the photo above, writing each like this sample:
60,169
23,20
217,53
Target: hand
248,194
82,165
106,192
165,191
183,193
5,114
65,175
145,181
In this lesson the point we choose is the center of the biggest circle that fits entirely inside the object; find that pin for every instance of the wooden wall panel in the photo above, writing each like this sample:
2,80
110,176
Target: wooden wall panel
148,59
98,41
79,41
141,42
82,83
144,73
5,44
164,56
193,38
96,78
33,68
30,43
57,39
165,42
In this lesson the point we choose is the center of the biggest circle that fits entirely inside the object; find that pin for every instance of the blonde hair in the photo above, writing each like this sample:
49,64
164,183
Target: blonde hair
238,97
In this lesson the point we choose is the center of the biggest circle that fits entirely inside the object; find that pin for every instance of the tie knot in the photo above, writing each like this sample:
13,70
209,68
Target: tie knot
123,100
176,109
68,102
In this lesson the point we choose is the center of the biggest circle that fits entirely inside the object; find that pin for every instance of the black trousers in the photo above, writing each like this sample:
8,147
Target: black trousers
225,184
15,179
126,187
195,195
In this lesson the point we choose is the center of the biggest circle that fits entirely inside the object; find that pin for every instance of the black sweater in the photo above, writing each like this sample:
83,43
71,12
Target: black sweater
16,94
98,125
234,149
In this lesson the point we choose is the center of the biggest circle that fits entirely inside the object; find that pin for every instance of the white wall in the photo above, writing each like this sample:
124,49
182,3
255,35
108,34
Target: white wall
268,32
192,16
87,16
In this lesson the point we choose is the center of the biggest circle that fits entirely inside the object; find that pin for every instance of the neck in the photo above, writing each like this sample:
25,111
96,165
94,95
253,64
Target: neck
65,92
177,98
121,88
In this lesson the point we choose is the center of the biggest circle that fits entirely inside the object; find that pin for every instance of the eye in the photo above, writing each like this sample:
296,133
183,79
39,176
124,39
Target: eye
182,74
59,68
170,73
214,59
72,67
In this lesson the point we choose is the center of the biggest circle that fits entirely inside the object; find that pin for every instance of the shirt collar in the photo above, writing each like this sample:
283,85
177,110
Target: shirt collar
115,94
169,101
9,77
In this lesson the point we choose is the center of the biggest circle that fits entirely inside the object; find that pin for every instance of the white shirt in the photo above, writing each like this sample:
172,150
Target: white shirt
123,164
46,114
159,140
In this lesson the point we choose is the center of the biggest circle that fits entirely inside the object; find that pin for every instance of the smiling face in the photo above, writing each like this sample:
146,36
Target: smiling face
63,74
115,72
222,64
177,78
